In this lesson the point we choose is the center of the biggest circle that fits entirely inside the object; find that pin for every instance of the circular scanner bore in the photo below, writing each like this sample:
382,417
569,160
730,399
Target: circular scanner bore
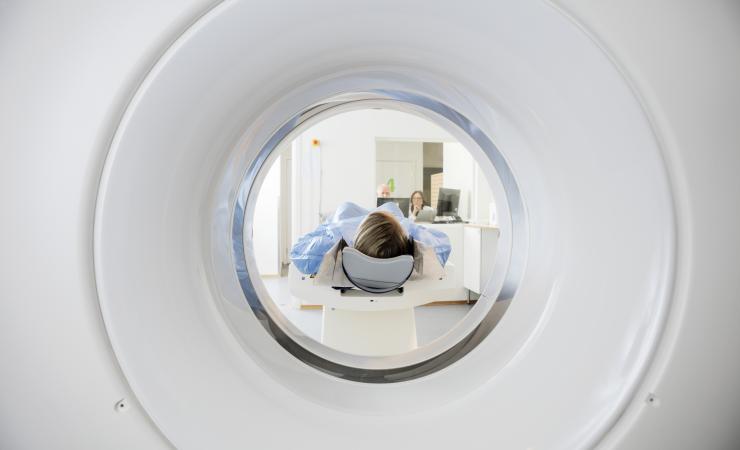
464,336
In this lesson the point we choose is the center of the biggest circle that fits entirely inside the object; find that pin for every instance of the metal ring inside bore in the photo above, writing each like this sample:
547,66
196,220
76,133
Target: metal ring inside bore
443,359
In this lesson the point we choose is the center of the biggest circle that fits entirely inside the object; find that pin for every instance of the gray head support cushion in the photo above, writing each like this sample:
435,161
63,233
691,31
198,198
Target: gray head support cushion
376,275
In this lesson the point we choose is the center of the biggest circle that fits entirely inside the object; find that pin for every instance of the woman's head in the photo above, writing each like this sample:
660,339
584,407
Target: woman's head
417,199
380,235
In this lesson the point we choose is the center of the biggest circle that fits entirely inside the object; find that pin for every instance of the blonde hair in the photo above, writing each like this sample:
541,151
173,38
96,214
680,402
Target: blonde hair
380,235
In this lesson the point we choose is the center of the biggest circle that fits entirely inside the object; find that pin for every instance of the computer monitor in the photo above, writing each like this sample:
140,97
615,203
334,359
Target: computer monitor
448,201
403,203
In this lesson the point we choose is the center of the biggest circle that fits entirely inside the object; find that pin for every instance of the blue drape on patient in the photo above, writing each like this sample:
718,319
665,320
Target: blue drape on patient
310,249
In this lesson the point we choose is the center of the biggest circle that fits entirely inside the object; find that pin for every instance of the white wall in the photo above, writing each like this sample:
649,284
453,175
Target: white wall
305,186
404,162
348,151
458,170
462,172
266,228
482,200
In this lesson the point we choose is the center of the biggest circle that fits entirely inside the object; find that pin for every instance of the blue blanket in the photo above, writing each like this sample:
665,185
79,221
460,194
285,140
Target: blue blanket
310,249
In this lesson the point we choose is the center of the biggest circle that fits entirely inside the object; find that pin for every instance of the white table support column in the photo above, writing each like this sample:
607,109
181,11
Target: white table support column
371,333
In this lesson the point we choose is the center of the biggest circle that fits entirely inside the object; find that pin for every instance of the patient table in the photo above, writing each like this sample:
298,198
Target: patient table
359,322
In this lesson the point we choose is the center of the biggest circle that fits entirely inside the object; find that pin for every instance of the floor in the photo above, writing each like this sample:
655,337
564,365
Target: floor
431,321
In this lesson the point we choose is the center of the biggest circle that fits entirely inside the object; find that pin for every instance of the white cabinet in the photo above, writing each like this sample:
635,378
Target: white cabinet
455,232
473,255
479,252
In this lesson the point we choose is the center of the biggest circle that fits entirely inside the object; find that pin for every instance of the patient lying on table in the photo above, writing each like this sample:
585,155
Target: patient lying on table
381,233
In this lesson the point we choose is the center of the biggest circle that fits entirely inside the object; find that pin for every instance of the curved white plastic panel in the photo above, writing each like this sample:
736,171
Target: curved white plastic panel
67,72
570,350
684,63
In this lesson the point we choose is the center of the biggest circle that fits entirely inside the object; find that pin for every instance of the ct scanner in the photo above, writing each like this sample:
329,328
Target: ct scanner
132,141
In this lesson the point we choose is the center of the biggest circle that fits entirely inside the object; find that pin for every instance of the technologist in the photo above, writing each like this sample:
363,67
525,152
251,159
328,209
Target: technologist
417,204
